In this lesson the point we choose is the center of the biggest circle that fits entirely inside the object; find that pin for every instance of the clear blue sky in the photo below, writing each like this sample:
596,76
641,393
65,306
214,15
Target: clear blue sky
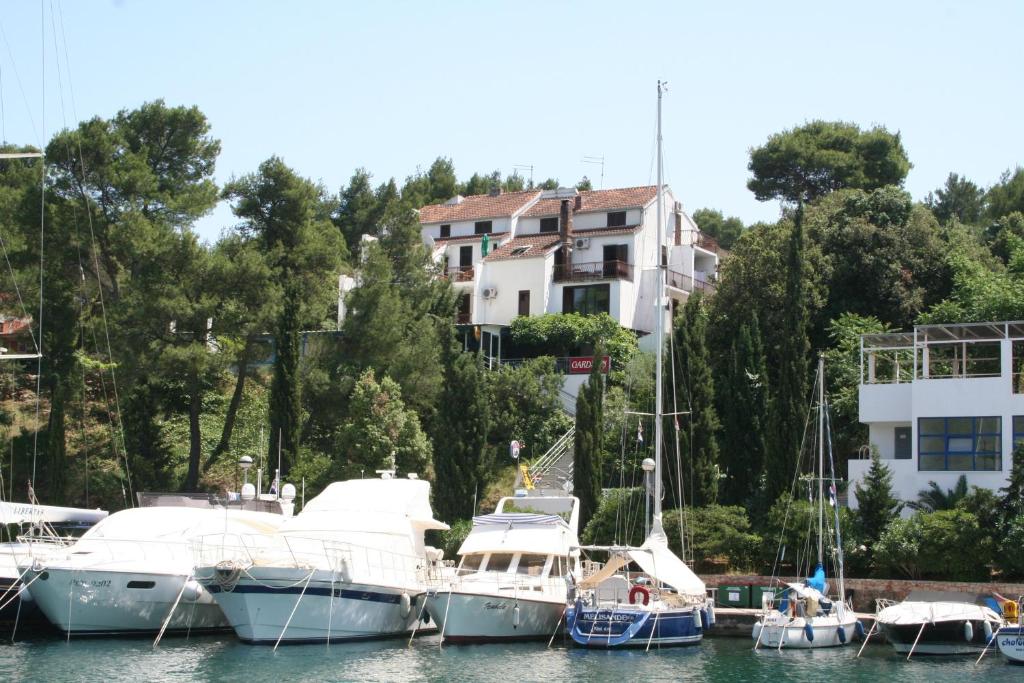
331,86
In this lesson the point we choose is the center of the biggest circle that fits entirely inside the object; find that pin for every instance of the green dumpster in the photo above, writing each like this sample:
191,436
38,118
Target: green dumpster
757,593
733,596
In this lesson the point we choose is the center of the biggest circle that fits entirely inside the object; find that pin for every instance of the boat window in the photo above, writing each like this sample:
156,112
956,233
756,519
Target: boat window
471,563
557,565
531,565
499,562
141,584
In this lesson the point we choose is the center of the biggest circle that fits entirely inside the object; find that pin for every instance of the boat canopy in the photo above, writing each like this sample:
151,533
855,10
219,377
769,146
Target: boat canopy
368,505
179,524
518,532
27,513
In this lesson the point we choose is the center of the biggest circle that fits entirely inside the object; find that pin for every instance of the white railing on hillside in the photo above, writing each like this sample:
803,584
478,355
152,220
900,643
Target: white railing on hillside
549,467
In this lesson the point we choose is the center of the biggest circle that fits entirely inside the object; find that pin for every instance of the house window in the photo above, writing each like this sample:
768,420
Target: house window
1018,431
616,219
524,302
482,227
549,224
959,443
446,230
589,300
901,445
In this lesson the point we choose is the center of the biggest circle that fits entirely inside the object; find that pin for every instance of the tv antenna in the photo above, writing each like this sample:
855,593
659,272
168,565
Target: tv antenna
596,160
516,167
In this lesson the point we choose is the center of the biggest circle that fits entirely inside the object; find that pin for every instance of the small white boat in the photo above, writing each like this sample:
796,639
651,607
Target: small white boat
1010,638
133,571
511,583
939,623
351,565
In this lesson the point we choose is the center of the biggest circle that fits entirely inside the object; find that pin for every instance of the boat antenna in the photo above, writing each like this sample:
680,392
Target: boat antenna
660,318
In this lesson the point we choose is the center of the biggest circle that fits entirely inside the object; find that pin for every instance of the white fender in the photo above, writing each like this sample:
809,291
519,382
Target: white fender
192,591
515,617
968,631
987,627
406,604
756,634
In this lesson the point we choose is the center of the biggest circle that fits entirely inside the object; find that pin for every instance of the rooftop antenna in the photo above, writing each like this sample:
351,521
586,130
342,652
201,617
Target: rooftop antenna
525,167
596,160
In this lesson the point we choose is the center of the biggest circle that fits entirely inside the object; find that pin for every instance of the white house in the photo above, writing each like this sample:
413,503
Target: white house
560,251
940,402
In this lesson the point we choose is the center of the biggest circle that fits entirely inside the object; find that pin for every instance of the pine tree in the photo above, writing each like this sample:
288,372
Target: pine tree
695,392
876,506
285,403
745,415
789,405
587,446
460,435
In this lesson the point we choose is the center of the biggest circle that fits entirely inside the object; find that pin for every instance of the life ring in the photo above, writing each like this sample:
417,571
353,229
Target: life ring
639,590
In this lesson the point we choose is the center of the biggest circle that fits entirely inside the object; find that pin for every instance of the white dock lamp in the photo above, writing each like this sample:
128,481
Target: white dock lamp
245,462
648,466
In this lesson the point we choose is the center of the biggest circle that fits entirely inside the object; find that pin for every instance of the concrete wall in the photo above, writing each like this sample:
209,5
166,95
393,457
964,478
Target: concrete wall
466,228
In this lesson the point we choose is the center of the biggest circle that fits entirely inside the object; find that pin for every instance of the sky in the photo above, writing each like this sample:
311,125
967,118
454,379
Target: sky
390,86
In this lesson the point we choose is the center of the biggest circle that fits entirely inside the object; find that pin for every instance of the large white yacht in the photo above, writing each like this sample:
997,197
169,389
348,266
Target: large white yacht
133,570
351,565
511,582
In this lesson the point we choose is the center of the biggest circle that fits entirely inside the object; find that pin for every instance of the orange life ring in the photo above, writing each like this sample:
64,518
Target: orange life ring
639,590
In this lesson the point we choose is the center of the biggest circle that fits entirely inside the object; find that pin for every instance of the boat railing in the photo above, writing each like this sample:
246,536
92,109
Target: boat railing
496,580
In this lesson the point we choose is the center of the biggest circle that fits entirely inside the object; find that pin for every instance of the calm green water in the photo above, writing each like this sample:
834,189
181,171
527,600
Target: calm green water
222,659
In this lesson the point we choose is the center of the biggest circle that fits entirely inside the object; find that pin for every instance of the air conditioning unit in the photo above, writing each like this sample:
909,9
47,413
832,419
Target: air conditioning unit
583,243
490,292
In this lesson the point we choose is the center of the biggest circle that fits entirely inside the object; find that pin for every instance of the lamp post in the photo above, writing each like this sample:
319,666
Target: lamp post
245,462
648,466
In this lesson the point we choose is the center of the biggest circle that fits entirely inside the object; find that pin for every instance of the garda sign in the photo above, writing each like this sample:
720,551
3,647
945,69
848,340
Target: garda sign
581,365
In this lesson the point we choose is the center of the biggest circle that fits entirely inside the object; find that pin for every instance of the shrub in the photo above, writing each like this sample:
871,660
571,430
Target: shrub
717,533
947,544
619,518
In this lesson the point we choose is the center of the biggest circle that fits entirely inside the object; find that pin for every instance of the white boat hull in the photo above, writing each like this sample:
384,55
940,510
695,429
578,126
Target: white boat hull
792,633
98,602
271,604
479,617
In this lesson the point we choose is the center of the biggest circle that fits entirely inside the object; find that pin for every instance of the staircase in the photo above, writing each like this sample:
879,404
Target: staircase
551,472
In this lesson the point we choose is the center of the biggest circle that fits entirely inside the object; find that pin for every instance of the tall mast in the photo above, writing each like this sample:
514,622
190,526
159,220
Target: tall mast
821,459
660,316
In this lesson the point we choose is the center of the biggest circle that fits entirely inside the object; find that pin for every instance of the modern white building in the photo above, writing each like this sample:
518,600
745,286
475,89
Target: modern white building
940,402
534,252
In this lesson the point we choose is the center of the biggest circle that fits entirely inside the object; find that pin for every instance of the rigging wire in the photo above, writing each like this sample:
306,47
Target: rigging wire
42,234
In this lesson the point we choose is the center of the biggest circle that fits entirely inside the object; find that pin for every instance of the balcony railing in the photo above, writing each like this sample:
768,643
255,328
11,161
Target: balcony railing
463,318
598,270
461,274
708,242
689,284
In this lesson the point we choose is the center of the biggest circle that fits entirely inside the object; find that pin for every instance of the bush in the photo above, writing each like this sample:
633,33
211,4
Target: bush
1011,551
798,532
452,539
719,534
947,544
619,519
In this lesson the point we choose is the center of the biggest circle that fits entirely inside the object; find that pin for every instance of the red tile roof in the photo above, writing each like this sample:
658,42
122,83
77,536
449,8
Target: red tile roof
539,245
599,200
621,230
478,207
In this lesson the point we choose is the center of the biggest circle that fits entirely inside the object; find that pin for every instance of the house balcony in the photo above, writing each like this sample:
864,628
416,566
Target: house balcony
688,284
460,274
463,318
597,270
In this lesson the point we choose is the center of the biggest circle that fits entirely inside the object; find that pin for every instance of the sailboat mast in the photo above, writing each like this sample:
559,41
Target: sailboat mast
660,316
821,459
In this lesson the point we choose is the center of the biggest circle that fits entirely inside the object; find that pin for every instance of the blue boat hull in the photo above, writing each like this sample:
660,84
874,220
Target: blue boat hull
604,627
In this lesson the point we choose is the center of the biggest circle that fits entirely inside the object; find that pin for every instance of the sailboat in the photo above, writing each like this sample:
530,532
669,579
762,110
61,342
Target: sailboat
806,617
668,606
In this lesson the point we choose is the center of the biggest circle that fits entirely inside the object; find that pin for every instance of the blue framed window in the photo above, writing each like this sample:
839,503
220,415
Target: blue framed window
960,444
1018,431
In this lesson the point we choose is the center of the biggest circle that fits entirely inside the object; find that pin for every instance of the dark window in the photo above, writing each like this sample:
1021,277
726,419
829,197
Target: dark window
615,257
959,443
901,447
549,224
679,229
446,230
141,584
482,227
1018,431
465,256
589,300
616,219
524,302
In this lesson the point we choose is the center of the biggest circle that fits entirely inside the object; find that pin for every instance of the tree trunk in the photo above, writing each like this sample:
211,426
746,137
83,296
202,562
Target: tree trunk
236,401
195,409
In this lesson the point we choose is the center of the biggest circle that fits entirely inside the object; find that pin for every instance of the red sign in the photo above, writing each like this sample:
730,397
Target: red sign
581,365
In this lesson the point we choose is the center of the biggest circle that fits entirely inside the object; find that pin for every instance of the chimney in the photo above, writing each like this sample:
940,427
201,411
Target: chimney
565,230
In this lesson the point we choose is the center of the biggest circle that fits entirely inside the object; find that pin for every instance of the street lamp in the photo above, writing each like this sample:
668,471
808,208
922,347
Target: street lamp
647,466
245,462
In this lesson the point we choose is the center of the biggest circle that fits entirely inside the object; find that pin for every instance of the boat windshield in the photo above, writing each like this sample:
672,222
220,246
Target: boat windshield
531,565
499,562
471,563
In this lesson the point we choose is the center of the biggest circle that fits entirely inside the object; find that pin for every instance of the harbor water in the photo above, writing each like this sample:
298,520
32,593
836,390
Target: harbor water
224,659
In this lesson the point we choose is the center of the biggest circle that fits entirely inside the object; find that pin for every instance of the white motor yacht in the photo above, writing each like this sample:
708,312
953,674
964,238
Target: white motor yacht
940,623
511,583
133,570
351,565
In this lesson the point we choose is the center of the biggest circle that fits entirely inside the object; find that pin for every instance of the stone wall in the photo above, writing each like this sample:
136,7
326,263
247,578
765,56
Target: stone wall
865,591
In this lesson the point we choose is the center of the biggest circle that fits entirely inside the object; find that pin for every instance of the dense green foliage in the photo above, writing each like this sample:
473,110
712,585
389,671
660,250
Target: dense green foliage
876,506
588,456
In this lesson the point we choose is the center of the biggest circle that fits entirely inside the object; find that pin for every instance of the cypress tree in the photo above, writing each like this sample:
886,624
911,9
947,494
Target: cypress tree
587,444
285,404
876,506
789,404
460,436
695,390
744,415
1012,503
